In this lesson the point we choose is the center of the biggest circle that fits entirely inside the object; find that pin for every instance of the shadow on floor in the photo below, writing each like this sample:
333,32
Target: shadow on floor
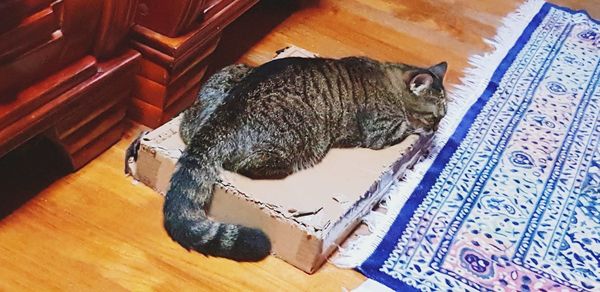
251,27
28,170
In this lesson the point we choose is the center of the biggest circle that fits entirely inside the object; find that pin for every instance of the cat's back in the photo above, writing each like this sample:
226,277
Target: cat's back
288,74
287,67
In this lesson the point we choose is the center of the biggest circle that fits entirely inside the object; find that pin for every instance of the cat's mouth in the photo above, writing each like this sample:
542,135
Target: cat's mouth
433,112
442,109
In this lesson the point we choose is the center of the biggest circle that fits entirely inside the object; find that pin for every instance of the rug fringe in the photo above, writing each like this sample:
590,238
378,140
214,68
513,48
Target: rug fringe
461,97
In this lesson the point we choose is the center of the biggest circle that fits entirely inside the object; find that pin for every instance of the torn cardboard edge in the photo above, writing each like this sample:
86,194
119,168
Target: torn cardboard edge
307,214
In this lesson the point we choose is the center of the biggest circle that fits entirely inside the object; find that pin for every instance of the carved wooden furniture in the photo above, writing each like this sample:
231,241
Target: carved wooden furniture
175,53
68,68
170,20
65,74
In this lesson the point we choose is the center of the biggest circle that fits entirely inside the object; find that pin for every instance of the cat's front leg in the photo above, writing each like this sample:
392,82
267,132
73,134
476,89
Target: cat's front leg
380,131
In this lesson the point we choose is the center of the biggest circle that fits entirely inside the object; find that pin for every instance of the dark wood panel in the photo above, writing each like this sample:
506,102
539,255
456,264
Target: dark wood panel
153,116
180,45
160,95
85,112
12,12
177,64
32,66
170,20
168,74
145,113
54,110
97,146
117,19
44,91
214,6
177,105
96,127
30,33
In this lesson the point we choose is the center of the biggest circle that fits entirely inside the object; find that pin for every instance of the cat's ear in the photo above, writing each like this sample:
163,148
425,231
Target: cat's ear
439,70
420,83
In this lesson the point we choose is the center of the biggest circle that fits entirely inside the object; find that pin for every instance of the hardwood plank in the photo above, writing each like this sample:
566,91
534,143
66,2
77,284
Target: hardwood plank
95,230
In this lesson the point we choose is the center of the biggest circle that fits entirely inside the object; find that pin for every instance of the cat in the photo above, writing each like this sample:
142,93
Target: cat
284,116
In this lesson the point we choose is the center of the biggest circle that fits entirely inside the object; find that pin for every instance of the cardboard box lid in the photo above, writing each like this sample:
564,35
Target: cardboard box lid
324,202
307,214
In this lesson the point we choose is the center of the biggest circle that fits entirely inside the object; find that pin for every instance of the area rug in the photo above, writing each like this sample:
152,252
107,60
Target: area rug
509,200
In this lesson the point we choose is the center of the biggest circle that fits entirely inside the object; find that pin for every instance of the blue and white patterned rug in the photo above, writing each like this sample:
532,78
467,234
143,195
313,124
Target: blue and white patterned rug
510,201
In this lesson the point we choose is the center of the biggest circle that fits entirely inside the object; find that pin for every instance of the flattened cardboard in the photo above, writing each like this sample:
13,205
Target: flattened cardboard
307,214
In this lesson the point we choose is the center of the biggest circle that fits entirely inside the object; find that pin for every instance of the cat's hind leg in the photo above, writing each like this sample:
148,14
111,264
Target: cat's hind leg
380,130
211,95
263,165
268,163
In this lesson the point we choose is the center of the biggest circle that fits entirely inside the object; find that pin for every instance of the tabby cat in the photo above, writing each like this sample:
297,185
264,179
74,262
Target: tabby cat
283,116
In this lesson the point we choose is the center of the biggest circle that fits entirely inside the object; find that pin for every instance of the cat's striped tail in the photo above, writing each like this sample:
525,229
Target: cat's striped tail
185,217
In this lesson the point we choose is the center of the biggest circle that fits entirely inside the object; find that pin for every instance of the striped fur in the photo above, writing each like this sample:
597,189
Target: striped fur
283,116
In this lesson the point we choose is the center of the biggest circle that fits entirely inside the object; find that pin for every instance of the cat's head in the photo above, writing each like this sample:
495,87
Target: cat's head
427,96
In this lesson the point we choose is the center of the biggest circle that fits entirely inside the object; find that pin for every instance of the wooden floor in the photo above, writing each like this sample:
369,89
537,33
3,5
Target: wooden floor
96,230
